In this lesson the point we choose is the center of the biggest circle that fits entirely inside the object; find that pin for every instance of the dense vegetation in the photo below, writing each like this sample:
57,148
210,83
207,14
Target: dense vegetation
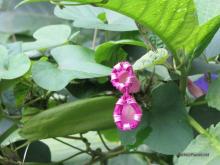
56,99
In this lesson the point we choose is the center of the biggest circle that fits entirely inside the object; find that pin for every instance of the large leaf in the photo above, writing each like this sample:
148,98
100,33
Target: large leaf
214,94
25,18
168,121
174,22
73,62
96,18
12,66
71,118
48,36
202,145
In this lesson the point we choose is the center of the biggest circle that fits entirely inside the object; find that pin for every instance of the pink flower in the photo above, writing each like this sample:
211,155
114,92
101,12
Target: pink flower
127,113
124,79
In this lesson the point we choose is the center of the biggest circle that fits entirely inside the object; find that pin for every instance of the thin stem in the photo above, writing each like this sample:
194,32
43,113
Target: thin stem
69,145
103,141
94,38
25,154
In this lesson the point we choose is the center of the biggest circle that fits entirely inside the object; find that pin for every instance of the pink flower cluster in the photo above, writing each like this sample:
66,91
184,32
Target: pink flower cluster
127,113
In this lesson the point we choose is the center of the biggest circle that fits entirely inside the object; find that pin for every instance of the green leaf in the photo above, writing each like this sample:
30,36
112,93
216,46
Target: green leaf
13,66
71,118
213,94
168,121
48,36
95,18
151,58
202,145
26,18
73,62
109,53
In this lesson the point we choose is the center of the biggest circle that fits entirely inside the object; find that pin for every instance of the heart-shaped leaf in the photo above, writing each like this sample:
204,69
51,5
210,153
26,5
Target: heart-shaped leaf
74,62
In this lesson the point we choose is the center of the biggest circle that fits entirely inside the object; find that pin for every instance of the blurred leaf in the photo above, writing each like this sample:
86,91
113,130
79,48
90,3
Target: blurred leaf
110,53
26,18
13,66
151,58
48,36
76,117
202,145
90,17
206,10
73,62
168,121
213,94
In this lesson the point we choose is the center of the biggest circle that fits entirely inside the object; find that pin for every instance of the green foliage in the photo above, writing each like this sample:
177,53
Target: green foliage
60,110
